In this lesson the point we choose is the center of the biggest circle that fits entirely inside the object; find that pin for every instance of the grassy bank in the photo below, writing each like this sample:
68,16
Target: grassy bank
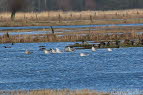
52,18
54,92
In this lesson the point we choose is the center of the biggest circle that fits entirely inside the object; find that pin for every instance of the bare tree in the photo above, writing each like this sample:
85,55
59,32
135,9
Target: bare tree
16,5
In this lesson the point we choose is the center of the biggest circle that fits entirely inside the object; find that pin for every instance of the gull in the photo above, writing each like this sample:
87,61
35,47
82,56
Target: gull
69,49
84,54
109,49
93,49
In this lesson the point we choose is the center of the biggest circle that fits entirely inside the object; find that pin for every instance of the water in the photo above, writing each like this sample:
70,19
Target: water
26,33
68,26
67,30
119,70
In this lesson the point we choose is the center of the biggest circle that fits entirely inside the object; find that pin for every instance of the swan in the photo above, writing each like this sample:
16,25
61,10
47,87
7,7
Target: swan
109,49
84,54
58,50
28,52
46,51
93,49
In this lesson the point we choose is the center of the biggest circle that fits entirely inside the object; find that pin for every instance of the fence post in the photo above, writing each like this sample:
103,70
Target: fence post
80,17
36,16
91,19
71,16
59,18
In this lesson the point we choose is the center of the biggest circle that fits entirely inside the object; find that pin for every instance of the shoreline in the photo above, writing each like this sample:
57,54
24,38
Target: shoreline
54,92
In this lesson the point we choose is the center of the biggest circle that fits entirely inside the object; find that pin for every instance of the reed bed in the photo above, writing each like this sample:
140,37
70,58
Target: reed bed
75,15
70,17
71,37
53,92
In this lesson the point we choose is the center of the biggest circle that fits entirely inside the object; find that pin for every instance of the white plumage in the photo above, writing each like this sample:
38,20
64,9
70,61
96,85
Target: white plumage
84,54
109,49
93,49
58,50
46,51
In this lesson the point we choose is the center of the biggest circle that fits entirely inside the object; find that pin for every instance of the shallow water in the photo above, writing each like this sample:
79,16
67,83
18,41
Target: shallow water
119,70
66,30
26,33
68,26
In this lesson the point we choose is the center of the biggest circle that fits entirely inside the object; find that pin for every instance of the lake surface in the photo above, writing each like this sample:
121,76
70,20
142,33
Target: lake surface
119,70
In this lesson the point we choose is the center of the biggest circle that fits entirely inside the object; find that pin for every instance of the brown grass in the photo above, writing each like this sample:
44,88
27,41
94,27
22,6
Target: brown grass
72,18
133,13
54,92
75,36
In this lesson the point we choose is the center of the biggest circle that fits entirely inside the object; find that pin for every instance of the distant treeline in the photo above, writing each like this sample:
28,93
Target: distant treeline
74,5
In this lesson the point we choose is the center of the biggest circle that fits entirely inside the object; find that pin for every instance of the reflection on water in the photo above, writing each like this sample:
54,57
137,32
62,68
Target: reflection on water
119,70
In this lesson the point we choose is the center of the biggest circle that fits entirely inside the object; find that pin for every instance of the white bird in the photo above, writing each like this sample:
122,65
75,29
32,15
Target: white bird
58,50
53,51
46,51
69,49
93,49
109,49
84,54
28,52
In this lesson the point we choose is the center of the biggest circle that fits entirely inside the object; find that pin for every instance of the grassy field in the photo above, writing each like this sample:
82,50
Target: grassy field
52,18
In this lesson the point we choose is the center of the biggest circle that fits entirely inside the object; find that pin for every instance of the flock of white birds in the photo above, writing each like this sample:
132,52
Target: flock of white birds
67,49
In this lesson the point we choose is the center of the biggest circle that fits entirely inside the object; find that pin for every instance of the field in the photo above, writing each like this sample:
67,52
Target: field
53,18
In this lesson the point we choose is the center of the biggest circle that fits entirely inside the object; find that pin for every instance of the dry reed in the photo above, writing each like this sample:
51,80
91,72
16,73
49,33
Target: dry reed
54,92
70,17
70,37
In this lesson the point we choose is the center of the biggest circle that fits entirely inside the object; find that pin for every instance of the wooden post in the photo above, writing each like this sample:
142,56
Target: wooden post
80,17
36,17
52,30
71,16
91,19
49,15
59,18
